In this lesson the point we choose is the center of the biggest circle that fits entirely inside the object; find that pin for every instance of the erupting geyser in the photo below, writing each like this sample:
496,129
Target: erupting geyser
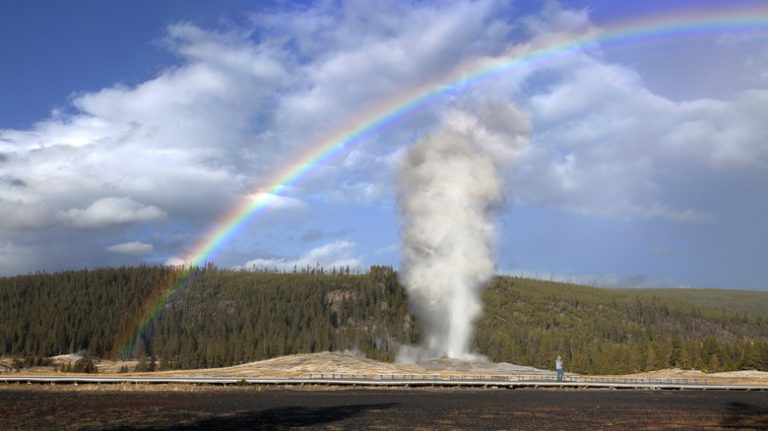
448,187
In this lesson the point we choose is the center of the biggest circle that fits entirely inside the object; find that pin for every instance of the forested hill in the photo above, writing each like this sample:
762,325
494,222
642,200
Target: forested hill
224,317
623,330
219,317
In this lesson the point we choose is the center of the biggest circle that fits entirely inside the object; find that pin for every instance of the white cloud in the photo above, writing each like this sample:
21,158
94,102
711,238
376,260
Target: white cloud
360,58
604,145
554,19
112,211
206,133
212,127
278,202
338,254
175,261
133,248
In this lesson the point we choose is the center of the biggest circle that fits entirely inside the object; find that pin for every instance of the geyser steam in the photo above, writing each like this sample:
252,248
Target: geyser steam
448,187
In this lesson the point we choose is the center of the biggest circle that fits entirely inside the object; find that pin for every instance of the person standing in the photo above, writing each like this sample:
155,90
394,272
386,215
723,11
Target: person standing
559,368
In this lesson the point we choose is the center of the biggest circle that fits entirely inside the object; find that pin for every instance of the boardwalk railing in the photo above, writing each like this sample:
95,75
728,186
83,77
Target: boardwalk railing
477,380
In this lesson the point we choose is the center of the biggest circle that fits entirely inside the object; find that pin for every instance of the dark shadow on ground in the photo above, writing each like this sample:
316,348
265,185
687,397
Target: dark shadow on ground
745,416
282,418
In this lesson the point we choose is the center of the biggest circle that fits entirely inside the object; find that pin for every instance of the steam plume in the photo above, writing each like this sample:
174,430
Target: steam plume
448,188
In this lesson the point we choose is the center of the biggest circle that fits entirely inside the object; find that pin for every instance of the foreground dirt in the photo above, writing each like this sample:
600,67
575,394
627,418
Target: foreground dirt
25,407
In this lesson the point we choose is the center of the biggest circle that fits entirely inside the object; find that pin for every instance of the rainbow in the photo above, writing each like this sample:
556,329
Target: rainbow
651,29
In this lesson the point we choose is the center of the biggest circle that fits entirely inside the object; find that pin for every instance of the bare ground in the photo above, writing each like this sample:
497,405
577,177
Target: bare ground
31,407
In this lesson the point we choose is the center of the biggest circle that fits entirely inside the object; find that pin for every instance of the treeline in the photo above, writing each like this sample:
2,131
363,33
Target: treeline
231,317
617,331
225,317
73,311
215,318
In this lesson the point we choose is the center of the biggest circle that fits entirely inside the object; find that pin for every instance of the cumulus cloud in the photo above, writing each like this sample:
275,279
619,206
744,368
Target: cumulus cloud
112,211
207,132
212,127
338,254
605,145
133,248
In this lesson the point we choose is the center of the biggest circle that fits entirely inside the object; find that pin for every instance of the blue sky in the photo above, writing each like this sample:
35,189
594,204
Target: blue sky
128,129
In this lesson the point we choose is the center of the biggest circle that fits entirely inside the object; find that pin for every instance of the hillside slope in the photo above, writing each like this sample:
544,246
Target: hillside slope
618,331
228,317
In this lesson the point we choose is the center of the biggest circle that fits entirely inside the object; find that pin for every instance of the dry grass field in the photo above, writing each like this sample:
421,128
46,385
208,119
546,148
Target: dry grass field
301,365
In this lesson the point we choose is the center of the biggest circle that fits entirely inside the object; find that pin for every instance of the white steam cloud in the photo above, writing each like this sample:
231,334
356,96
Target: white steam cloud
448,188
